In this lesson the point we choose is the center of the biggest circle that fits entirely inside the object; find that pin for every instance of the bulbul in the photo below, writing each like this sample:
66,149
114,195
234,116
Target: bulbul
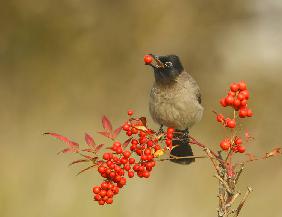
175,101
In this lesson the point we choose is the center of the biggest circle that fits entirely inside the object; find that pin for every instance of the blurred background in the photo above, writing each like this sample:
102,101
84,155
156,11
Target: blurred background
64,64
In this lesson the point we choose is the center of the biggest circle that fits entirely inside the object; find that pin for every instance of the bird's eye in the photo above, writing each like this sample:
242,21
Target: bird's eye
168,64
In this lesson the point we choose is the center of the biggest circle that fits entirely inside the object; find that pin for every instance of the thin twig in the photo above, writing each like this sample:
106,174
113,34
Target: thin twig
176,158
224,183
239,173
240,206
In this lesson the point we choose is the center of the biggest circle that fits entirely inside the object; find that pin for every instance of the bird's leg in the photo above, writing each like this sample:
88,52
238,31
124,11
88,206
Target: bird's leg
186,135
161,130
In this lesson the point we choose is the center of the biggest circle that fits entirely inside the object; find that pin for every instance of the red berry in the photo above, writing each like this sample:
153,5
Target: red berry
238,141
122,181
104,185
103,193
170,130
126,127
231,93
222,102
116,190
231,123
96,189
225,145
168,142
237,102
130,174
148,59
169,136
104,175
134,142
146,174
234,87
101,169
142,140
101,202
131,160
106,156
243,113
242,85
109,201
119,150
144,157
117,144
246,93
97,197
126,154
136,167
220,118
123,160
244,102
157,147
147,151
241,149
150,143
249,113
241,96
129,132
110,193
229,100
126,167
130,112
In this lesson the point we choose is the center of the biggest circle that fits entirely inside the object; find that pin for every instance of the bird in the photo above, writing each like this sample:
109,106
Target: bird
175,102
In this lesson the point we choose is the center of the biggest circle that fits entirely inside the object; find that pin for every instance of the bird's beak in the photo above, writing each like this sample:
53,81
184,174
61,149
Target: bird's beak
157,63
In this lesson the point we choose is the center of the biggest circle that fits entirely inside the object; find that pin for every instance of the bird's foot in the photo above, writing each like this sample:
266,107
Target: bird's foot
161,130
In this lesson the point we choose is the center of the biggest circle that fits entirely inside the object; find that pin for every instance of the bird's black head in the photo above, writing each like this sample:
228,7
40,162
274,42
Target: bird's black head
166,68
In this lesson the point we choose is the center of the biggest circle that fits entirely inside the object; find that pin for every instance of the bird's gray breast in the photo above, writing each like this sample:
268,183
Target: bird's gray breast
176,105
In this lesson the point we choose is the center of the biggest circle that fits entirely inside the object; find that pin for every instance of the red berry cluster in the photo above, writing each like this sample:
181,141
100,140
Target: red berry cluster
118,163
237,98
169,136
235,145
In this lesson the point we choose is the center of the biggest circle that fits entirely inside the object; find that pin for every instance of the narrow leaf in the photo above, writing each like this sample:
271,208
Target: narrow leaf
70,143
98,147
107,124
81,171
106,134
67,150
78,161
125,144
116,132
88,150
90,141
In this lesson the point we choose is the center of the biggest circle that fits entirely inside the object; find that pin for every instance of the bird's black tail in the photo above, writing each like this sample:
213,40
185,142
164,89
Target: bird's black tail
181,147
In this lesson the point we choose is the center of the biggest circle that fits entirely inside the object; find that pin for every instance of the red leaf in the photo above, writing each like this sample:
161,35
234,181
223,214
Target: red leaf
107,124
86,156
106,134
98,147
125,144
70,143
81,171
78,161
90,141
88,150
67,150
116,132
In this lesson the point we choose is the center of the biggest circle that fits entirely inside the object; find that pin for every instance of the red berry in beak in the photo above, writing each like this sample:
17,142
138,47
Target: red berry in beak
148,59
